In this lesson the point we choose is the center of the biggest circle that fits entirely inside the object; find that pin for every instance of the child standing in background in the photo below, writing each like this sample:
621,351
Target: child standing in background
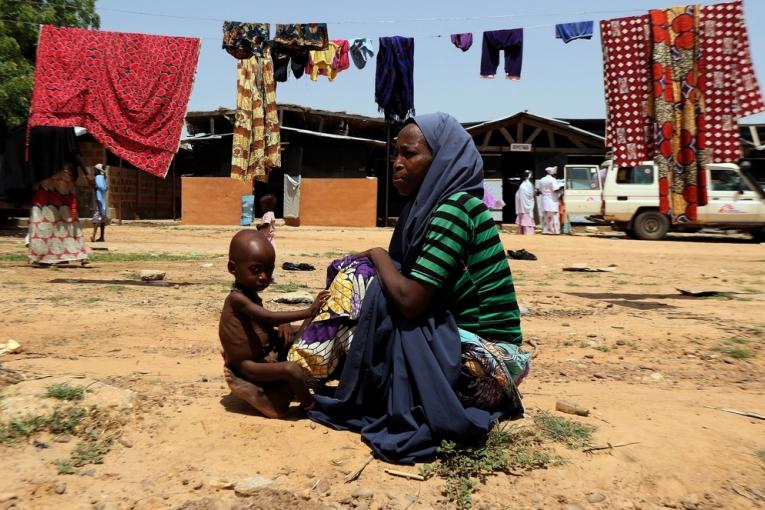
268,223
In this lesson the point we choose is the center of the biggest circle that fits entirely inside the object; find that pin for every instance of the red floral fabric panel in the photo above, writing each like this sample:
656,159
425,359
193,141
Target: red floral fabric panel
678,112
626,76
130,91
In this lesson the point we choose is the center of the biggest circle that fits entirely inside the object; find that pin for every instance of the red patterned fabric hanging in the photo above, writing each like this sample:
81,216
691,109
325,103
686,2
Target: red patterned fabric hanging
130,91
731,88
678,112
626,76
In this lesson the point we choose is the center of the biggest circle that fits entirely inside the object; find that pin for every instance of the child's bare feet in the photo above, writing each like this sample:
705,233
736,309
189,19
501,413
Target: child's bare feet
253,395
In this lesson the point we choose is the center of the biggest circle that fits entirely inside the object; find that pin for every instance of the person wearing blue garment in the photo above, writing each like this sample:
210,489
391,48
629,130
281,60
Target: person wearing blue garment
99,204
436,351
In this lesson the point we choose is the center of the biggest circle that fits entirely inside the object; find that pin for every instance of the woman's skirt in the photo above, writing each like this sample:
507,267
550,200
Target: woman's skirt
55,235
491,371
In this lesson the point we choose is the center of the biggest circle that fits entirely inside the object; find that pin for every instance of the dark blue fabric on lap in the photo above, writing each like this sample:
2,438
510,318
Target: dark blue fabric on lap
396,385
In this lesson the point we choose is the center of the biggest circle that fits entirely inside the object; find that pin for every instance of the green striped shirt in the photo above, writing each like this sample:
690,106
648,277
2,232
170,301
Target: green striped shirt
464,258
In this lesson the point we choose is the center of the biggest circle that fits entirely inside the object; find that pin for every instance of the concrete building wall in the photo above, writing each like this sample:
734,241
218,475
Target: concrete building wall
338,202
212,200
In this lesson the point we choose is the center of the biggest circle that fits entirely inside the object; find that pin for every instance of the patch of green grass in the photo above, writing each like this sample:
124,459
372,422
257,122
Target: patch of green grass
734,347
64,466
735,352
147,257
601,347
58,422
90,452
761,455
116,288
57,299
573,434
84,453
64,391
13,257
15,283
506,449
92,299
133,275
288,287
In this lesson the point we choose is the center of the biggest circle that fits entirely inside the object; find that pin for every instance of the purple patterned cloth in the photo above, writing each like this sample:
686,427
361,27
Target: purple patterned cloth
356,273
462,41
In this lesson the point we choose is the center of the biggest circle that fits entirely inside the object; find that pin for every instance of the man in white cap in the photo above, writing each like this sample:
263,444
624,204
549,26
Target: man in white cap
99,203
549,188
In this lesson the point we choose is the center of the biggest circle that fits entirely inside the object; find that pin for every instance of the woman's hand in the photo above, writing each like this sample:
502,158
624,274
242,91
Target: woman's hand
412,298
374,254
320,300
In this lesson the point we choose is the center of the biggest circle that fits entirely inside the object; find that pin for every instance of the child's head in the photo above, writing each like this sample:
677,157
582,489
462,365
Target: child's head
268,203
251,260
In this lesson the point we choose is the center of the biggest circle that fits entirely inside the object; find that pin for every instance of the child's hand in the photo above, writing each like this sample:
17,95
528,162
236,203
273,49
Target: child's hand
287,333
320,300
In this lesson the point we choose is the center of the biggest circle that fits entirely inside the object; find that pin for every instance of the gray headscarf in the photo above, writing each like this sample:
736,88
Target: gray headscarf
456,166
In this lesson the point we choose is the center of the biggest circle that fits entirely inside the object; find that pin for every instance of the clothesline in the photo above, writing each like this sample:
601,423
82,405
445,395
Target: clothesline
389,21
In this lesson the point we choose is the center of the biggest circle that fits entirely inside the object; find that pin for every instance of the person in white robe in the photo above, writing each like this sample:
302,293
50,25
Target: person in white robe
549,187
524,205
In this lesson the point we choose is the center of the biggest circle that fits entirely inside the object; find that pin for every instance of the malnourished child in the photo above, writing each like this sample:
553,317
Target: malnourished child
255,340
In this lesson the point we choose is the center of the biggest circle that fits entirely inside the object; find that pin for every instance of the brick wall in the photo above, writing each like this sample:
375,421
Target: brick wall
212,200
134,194
91,153
338,202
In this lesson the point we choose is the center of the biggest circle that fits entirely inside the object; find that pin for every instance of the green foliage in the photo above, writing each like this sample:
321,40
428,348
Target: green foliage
90,452
288,287
64,466
562,430
506,448
10,256
64,391
735,348
108,256
18,41
58,422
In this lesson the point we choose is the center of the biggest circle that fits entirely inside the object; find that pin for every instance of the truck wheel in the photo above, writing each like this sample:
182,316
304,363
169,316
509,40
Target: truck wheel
651,225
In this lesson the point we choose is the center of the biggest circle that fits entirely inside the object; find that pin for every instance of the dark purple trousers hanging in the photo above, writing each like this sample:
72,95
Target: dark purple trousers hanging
509,41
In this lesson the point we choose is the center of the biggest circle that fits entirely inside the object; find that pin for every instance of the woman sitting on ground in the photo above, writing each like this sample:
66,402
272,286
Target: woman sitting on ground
435,353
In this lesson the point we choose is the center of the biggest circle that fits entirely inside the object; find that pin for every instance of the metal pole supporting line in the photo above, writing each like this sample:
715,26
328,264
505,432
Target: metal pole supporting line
387,170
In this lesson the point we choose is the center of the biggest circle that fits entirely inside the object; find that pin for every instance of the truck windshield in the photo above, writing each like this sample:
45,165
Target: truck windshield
751,182
641,174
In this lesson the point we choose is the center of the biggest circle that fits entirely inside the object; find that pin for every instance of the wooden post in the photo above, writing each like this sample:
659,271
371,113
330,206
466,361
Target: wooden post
172,176
387,171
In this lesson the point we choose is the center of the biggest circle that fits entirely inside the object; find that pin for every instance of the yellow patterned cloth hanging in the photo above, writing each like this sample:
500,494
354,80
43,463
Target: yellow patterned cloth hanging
255,149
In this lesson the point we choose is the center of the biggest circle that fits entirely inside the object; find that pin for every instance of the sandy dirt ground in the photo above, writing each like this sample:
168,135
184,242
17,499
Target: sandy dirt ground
652,365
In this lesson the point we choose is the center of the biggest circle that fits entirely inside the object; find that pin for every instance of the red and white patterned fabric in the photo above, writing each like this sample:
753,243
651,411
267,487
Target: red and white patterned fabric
731,89
626,76
130,91
55,235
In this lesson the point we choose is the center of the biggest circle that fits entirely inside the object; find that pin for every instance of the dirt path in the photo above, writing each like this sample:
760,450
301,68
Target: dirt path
647,361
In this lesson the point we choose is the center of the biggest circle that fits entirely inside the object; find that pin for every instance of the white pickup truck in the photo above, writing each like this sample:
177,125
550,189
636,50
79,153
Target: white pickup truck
627,198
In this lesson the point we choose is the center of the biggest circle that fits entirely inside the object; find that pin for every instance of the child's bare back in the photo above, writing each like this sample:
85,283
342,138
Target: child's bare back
255,340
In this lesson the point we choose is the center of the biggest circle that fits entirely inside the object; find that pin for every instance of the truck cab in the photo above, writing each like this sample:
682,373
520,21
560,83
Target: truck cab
630,201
